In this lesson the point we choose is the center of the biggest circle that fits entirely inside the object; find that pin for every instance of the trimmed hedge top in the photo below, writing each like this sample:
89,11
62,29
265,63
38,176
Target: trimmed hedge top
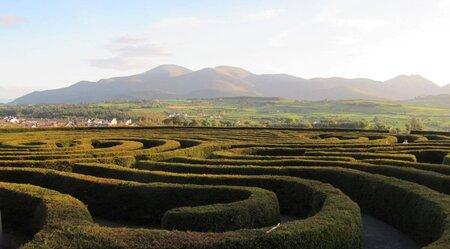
222,188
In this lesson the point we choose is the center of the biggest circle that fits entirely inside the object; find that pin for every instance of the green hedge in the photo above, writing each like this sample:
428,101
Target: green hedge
305,198
201,150
147,204
272,161
444,133
442,169
152,146
374,169
265,153
430,156
418,211
65,164
438,137
296,198
433,180
364,155
31,209
258,211
226,155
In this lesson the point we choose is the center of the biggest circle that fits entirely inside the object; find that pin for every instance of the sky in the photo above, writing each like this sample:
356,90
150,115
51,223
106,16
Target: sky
46,44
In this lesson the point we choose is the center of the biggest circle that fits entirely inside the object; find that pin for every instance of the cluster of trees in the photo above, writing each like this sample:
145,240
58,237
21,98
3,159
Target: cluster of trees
362,124
376,123
181,121
415,125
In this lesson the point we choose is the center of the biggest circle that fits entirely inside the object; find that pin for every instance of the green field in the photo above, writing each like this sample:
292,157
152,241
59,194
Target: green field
279,112
206,188
433,114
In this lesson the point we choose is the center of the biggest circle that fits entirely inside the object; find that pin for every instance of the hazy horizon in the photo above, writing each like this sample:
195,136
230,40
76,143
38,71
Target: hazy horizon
54,44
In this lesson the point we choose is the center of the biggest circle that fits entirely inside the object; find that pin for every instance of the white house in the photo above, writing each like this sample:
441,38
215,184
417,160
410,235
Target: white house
13,120
113,122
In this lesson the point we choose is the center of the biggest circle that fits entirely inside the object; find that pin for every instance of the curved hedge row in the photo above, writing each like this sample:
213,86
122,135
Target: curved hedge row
37,211
416,210
432,180
226,188
312,200
148,204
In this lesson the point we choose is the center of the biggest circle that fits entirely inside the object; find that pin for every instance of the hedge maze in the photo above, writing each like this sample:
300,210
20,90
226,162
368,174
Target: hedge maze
222,188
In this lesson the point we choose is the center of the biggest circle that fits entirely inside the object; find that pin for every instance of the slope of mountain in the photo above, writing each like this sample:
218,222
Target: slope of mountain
279,85
410,86
446,88
172,81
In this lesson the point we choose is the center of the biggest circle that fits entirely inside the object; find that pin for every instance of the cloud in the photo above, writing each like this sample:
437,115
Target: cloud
118,63
185,22
263,15
365,24
346,40
139,50
444,4
129,46
10,20
131,52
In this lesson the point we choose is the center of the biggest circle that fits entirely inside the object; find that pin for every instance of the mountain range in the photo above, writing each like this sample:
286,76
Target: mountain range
172,81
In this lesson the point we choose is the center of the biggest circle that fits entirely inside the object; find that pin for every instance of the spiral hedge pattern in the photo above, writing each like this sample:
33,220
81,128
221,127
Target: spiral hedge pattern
222,188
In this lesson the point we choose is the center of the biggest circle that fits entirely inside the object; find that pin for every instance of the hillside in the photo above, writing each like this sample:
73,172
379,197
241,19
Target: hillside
441,100
172,81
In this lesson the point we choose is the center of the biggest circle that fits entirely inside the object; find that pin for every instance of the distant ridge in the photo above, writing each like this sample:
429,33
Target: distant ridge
173,81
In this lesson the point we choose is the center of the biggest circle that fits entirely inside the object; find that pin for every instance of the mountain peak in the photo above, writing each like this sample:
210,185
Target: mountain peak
171,70
233,71
411,80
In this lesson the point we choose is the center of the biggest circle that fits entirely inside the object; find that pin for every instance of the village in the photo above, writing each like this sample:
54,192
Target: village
12,121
